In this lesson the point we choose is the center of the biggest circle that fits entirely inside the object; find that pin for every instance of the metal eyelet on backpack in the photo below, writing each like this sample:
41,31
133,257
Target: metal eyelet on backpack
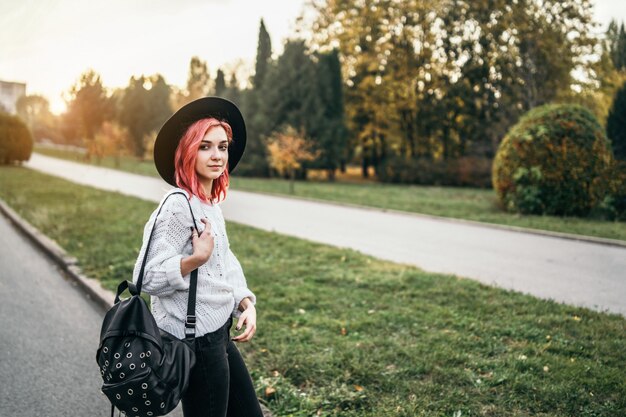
122,375
149,413
144,386
135,409
119,365
117,356
143,365
130,391
148,402
162,405
142,355
105,349
106,363
145,395
118,396
131,366
127,344
148,353
129,355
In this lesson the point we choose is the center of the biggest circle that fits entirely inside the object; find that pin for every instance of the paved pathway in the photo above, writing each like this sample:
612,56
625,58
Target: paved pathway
574,272
49,334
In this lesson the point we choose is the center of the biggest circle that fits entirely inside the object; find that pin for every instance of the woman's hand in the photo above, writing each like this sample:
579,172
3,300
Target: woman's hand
247,318
203,244
202,249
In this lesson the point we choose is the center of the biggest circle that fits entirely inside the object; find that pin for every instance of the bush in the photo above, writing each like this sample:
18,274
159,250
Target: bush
556,160
616,124
16,141
613,206
465,171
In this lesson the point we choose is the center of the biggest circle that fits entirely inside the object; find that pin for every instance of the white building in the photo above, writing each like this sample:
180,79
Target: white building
10,92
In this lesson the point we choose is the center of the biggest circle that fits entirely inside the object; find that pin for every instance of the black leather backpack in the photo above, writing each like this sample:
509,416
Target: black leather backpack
145,369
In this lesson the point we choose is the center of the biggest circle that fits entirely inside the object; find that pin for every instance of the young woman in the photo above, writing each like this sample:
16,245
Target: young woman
195,151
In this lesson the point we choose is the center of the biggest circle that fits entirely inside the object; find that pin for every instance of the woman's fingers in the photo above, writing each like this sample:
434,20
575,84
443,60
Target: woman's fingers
250,324
247,335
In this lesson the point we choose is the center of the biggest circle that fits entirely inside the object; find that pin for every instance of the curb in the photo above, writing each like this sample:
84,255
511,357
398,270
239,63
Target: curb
104,298
562,235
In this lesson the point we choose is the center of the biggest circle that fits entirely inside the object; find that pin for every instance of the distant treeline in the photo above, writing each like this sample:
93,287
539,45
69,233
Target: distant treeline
393,85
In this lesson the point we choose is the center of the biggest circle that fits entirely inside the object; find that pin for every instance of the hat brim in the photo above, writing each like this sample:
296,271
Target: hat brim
173,129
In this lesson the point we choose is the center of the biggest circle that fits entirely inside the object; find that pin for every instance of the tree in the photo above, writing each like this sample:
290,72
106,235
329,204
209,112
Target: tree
88,106
332,136
110,140
616,44
616,124
287,149
198,79
35,111
263,56
144,108
220,83
444,79
198,84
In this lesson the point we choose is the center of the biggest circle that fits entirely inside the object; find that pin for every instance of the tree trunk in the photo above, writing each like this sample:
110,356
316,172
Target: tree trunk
364,163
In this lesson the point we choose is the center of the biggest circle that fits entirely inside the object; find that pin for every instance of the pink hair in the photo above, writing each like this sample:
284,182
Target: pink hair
185,161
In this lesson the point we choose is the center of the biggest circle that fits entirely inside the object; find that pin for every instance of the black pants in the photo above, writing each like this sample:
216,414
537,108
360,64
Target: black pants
220,384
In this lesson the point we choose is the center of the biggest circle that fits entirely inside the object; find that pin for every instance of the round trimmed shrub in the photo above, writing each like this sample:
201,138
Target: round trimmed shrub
556,160
16,141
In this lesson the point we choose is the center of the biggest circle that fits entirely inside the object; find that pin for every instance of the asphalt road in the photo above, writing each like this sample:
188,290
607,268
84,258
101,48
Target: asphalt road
49,335
574,272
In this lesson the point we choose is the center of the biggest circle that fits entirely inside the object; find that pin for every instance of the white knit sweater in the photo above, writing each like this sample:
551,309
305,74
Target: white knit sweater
221,281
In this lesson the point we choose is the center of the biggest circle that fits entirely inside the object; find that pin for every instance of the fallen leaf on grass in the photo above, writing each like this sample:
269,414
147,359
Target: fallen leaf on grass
270,392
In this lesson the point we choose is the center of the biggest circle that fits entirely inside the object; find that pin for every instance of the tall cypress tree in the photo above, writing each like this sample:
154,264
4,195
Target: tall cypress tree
254,105
220,83
615,123
620,52
332,135
263,56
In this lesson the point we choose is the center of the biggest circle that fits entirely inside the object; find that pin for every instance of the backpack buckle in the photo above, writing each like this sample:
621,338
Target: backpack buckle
190,321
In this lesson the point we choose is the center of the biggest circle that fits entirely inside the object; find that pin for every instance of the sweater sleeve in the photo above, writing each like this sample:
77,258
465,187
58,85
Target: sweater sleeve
236,277
162,275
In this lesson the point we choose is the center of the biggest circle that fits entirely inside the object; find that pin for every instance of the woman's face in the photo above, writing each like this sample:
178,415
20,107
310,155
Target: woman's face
212,154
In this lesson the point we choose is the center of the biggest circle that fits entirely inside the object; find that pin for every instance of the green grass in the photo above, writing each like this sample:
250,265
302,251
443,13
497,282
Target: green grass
344,334
456,202
126,163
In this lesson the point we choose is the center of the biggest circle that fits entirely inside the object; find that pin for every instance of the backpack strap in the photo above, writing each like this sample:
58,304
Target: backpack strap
190,321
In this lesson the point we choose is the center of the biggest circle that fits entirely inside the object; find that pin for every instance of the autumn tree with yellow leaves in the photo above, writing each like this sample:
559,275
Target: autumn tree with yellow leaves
287,149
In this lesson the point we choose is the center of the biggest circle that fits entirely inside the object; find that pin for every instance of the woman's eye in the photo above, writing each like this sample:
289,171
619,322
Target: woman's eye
203,147
223,148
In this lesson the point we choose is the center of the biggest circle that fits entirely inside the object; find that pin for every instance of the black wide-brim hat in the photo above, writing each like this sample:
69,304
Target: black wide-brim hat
172,131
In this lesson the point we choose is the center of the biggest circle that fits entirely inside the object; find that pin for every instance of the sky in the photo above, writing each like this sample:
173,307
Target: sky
47,44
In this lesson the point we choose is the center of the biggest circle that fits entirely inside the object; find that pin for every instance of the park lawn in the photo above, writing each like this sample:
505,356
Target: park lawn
344,334
457,202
